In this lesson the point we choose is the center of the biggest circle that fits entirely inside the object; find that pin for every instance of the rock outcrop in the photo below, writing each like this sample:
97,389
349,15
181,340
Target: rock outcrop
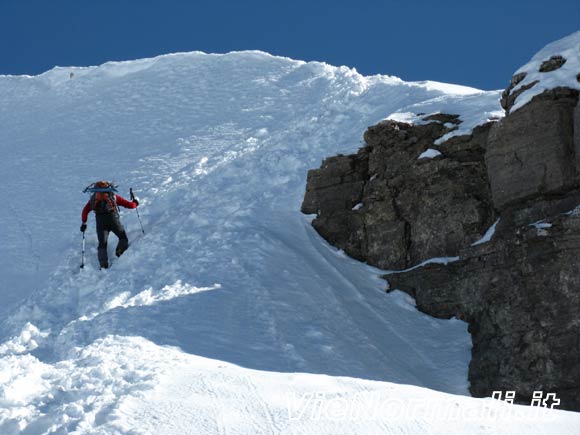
392,209
520,295
519,291
531,153
552,64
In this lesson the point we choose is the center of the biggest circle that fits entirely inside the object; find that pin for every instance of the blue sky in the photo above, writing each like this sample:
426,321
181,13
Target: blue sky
472,43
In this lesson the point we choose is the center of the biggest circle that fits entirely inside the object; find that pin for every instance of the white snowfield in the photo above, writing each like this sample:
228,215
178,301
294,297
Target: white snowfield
230,314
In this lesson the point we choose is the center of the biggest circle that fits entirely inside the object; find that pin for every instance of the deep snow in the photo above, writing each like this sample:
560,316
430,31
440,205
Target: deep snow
230,301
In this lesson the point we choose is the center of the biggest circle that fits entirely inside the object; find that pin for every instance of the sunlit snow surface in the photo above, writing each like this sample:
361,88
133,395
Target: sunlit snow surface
229,302
473,110
429,154
566,76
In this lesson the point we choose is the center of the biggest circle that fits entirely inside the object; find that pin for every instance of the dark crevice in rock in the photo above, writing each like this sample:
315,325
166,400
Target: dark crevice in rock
516,79
532,209
407,238
518,160
443,118
508,98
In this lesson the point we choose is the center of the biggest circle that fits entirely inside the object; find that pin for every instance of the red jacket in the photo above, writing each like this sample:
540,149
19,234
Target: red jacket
120,201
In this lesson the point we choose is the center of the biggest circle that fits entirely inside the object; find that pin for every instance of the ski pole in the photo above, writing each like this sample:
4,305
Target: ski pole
136,209
83,252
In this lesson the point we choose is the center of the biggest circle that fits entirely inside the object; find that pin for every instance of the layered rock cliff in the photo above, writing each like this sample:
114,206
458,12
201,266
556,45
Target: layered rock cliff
405,198
385,206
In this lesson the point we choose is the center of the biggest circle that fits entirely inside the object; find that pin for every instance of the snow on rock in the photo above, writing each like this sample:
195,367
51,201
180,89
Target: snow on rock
488,234
447,88
472,110
541,225
429,154
437,260
556,65
542,228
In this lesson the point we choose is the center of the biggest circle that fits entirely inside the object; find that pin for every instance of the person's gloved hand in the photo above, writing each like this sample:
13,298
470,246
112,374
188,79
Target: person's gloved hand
83,227
136,202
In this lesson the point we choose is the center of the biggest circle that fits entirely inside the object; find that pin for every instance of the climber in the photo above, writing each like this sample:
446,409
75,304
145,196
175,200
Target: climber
104,202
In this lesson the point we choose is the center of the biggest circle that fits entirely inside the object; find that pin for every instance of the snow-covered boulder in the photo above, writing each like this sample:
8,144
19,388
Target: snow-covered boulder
533,152
555,66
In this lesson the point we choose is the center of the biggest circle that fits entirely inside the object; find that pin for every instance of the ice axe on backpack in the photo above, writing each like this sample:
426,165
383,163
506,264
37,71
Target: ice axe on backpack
137,209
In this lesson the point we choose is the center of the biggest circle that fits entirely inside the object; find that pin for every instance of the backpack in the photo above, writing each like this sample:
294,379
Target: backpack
103,200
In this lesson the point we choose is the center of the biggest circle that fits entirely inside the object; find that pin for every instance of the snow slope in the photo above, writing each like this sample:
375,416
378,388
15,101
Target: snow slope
230,301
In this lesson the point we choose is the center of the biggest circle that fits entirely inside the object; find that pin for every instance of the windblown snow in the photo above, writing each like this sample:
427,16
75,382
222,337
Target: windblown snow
230,314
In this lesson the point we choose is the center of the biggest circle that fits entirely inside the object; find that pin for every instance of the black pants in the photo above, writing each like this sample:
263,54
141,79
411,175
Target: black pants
105,224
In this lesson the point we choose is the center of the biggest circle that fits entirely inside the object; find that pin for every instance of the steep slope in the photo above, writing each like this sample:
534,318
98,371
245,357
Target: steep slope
217,147
499,203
